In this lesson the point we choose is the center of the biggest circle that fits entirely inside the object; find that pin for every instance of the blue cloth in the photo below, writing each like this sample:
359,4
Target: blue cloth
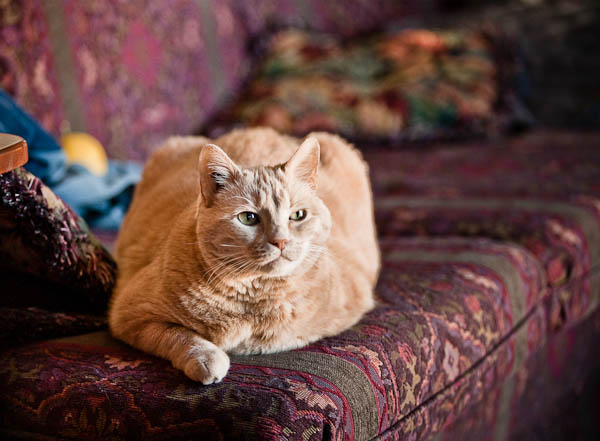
101,200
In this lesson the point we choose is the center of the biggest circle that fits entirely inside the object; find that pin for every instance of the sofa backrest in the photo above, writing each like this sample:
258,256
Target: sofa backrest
133,72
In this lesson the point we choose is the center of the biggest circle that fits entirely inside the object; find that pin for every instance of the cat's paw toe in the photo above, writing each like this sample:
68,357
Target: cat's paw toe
207,366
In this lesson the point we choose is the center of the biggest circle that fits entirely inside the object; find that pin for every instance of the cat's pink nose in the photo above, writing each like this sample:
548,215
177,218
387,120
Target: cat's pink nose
280,243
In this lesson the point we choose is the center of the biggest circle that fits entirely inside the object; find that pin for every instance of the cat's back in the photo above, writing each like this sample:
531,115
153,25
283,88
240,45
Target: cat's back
259,146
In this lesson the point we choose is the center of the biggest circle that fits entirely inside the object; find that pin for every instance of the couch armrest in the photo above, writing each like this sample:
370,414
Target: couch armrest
13,152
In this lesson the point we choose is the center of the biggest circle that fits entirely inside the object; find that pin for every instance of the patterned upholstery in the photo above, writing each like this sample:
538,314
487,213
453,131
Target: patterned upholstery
488,296
521,191
411,84
131,74
56,276
485,301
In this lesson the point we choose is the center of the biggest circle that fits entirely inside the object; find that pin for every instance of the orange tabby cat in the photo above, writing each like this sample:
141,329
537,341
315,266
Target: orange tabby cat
257,246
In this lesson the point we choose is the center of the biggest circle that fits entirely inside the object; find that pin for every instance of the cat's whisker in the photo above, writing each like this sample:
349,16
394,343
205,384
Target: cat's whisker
322,250
230,260
315,252
212,271
236,271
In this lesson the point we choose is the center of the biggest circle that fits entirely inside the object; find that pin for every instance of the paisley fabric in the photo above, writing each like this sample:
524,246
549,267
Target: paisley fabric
132,73
519,191
547,398
413,84
435,320
126,72
26,324
487,310
48,258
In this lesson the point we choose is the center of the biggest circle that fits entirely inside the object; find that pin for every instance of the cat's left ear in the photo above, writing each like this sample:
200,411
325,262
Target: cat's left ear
304,164
216,169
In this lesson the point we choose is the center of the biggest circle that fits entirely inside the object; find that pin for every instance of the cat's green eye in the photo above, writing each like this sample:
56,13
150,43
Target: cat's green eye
298,215
248,218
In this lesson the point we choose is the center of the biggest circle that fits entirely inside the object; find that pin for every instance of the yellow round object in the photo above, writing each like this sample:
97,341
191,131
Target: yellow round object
82,148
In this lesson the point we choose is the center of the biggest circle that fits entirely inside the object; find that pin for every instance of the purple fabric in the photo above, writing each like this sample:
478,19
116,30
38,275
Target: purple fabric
50,261
132,73
468,330
393,87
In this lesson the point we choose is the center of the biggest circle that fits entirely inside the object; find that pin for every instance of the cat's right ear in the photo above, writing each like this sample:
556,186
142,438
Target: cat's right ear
216,169
304,164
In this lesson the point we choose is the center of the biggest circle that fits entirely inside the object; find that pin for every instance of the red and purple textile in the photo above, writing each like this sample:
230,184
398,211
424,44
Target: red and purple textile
487,317
132,73
488,300
56,276
407,85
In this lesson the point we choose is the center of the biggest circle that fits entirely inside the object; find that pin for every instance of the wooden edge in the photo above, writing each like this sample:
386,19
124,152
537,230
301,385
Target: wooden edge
13,156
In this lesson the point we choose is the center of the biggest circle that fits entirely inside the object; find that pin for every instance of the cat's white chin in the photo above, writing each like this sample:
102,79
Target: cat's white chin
280,266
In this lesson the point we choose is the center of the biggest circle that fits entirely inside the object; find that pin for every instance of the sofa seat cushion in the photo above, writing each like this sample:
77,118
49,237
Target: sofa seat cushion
553,396
541,191
446,307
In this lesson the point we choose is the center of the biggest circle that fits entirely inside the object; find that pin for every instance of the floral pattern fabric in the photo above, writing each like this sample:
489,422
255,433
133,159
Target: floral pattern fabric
132,73
412,84
435,320
543,399
520,191
474,321
48,260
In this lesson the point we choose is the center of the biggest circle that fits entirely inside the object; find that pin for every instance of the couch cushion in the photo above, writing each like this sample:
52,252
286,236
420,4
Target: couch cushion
553,396
446,306
458,317
413,84
138,71
541,191
54,272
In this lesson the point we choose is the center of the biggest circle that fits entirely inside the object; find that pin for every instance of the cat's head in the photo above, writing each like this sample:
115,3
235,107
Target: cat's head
263,221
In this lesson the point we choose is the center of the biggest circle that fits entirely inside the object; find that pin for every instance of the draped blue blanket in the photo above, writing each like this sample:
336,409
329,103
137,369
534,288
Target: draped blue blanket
101,200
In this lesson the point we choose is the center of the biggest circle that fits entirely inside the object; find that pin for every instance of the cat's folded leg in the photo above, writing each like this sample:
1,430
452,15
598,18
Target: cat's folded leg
197,357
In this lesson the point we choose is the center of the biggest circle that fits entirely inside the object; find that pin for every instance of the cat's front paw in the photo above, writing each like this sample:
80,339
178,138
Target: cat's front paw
207,365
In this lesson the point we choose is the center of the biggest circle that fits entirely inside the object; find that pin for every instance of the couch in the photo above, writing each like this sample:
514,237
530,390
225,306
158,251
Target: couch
488,300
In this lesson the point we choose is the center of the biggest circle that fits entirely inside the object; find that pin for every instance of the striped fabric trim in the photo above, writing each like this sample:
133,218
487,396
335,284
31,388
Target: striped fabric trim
209,32
503,416
65,67
346,376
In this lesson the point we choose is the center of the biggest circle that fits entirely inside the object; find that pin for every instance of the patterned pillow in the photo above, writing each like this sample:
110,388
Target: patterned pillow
159,68
48,258
407,85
